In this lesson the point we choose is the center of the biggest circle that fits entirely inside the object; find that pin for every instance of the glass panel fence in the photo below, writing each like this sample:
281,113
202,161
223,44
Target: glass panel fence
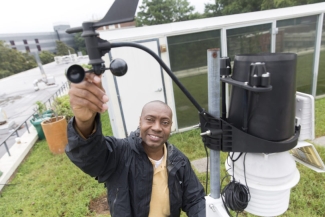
188,60
188,57
321,70
249,40
298,36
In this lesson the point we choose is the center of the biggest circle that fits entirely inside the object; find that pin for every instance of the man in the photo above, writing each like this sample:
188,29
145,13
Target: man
144,174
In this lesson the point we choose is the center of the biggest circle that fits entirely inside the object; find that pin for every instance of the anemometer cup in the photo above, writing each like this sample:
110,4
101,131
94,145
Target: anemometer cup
118,67
75,73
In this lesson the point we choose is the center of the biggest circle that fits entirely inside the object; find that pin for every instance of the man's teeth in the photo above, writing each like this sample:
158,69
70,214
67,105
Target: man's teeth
156,137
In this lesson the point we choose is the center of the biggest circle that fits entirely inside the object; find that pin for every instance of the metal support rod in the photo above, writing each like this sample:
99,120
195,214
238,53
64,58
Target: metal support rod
17,132
27,126
224,108
318,43
224,53
214,109
274,32
7,148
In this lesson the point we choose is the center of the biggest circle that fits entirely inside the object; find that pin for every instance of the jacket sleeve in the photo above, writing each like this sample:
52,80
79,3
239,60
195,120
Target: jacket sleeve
194,195
96,155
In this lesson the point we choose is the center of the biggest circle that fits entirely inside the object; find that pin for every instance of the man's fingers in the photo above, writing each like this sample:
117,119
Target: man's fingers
105,98
89,77
98,81
89,86
84,103
93,98
93,78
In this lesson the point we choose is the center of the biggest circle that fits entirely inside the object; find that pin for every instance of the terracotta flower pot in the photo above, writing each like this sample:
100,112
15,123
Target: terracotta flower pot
56,134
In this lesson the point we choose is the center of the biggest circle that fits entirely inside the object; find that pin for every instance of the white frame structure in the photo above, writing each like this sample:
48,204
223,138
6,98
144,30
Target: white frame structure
224,23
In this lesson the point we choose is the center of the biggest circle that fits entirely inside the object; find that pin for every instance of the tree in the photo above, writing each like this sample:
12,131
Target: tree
46,57
212,10
13,61
227,7
63,49
5,73
153,12
80,43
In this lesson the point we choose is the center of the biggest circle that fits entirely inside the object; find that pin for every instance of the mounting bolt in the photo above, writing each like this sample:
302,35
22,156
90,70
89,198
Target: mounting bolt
208,133
212,207
163,48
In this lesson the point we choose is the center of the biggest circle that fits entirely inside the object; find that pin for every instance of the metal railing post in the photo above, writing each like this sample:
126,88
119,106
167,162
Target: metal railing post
7,148
27,126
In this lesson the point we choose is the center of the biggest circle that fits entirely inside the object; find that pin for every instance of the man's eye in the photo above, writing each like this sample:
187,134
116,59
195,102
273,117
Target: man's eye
149,119
165,123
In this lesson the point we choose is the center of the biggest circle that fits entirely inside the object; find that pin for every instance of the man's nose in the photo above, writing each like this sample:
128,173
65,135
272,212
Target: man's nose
156,126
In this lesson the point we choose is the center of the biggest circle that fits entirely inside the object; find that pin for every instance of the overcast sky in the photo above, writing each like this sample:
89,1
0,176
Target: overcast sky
20,16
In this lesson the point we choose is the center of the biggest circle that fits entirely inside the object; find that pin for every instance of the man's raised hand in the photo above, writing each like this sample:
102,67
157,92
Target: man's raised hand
86,99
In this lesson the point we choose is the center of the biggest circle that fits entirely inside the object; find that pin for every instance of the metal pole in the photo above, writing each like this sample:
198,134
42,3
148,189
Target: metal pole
214,109
39,63
274,31
27,126
318,43
224,53
7,148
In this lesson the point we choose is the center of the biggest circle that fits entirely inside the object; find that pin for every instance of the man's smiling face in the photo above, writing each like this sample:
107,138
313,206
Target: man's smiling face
155,125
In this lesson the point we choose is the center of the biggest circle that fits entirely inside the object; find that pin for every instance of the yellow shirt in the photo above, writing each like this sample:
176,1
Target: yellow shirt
159,204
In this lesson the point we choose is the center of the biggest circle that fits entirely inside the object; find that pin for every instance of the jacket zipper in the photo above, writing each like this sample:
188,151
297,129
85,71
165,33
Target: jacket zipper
114,201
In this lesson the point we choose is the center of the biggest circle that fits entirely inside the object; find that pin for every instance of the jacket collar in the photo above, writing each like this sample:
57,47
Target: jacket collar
135,141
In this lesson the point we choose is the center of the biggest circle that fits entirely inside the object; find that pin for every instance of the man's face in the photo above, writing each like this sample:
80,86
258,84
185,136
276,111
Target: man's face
155,125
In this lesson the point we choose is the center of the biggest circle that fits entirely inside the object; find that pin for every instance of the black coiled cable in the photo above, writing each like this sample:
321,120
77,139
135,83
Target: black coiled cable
235,195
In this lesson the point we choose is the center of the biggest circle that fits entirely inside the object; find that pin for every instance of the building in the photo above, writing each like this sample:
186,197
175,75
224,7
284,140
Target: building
117,26
39,41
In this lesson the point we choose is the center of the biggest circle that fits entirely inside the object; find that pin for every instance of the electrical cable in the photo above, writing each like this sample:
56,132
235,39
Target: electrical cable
235,195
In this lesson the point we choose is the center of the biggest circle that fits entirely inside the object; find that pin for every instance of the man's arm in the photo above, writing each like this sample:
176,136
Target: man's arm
87,147
95,155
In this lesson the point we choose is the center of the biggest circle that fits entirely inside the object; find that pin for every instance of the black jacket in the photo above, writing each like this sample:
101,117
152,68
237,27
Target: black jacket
125,168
